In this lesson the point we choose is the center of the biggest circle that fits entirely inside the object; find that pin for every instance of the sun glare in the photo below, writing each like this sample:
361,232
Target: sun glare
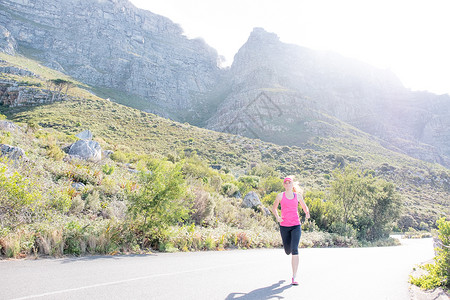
406,36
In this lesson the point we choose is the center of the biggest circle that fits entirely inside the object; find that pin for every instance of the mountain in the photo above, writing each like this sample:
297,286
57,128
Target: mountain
277,92
130,55
290,94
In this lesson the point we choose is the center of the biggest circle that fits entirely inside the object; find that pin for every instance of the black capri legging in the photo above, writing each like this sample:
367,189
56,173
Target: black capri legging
291,238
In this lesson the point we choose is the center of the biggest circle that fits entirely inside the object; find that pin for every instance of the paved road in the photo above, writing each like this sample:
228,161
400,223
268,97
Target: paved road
328,273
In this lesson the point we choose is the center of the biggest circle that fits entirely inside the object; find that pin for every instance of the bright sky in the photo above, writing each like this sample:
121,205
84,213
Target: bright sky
409,37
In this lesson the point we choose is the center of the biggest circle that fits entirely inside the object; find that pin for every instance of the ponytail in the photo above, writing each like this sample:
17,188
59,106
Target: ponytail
296,187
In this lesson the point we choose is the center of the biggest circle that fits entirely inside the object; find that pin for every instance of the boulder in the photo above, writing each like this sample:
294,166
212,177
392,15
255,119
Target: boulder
78,186
251,200
7,125
85,135
108,153
265,211
88,150
12,152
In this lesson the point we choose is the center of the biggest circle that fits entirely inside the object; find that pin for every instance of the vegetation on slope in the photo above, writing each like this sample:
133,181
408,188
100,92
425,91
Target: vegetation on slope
117,207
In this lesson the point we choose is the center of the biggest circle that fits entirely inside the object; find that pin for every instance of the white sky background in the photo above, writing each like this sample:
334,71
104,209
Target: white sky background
409,37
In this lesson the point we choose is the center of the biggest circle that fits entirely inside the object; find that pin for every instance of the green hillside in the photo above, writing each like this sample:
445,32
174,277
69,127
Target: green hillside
214,165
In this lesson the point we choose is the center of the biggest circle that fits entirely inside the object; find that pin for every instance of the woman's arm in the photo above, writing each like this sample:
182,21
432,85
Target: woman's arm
303,204
275,208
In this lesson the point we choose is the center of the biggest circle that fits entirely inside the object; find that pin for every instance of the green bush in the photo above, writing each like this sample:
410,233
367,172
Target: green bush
5,137
55,152
120,156
60,201
271,184
194,167
19,198
83,172
322,212
159,202
229,189
248,183
108,170
269,199
438,273
73,235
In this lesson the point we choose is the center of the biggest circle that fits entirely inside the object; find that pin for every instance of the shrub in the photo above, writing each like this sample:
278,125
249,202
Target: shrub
84,173
439,272
269,199
248,183
203,207
5,137
120,156
55,152
366,204
108,170
271,184
17,244
60,201
18,197
73,234
159,202
229,189
251,181
196,168
322,212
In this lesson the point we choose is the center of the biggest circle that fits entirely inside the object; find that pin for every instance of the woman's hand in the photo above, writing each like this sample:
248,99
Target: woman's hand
279,219
307,216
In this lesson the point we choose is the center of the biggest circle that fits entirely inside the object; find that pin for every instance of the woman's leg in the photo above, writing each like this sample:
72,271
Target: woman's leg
286,238
295,240
294,265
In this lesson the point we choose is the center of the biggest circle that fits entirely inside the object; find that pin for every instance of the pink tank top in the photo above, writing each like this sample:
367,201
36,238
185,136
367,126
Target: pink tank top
289,211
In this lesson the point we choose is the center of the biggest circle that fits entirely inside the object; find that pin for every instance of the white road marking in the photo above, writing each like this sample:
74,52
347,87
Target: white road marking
127,280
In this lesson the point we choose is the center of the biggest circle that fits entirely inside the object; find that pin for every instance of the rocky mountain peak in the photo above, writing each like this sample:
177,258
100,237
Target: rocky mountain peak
260,35
261,45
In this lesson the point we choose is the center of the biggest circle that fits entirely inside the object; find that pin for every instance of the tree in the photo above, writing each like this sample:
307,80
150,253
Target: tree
58,87
159,202
347,190
370,205
384,205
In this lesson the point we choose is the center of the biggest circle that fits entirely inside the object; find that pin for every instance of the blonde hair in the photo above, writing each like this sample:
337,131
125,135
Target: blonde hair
296,185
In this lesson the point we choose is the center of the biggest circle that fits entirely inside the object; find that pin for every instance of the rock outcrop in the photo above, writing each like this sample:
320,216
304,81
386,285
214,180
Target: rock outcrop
11,152
7,43
8,126
114,46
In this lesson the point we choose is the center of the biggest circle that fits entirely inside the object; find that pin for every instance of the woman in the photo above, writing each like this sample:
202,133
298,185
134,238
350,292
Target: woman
290,226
